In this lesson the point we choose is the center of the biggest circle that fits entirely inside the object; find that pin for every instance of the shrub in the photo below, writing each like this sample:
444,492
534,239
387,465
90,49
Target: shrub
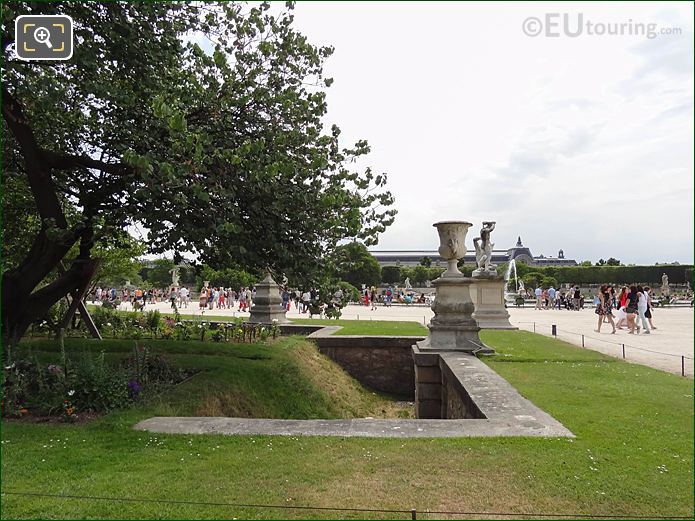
533,279
350,292
83,384
391,274
105,317
153,319
547,282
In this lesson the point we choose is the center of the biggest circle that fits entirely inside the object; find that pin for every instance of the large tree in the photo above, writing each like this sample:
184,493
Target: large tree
200,122
354,264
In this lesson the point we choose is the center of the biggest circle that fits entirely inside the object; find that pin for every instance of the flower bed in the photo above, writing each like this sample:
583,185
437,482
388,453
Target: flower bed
86,385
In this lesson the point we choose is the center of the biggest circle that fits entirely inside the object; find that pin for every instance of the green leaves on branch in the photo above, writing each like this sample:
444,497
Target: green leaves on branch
231,158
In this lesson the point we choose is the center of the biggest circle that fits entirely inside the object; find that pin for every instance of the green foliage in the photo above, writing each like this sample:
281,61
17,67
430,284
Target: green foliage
159,275
419,274
589,274
220,154
426,262
435,273
154,319
228,277
354,264
532,279
466,269
82,383
391,274
547,282
350,292
20,220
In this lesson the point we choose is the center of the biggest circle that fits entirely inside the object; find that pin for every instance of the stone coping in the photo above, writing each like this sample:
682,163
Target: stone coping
326,337
496,398
506,412
368,428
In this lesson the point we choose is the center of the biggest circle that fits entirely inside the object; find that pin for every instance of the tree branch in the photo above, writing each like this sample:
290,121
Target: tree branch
40,180
69,161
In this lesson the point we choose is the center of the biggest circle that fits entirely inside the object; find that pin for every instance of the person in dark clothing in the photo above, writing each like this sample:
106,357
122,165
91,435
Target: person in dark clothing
631,309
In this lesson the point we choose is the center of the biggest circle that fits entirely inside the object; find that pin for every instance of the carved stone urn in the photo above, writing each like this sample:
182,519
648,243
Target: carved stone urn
452,244
452,328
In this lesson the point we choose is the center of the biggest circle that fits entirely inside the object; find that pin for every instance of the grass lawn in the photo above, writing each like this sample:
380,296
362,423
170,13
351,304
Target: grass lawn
370,327
350,327
633,454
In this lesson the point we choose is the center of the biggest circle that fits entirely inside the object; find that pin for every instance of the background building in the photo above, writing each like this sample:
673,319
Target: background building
519,253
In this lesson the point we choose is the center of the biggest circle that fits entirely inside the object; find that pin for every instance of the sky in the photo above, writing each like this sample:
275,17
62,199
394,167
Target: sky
582,143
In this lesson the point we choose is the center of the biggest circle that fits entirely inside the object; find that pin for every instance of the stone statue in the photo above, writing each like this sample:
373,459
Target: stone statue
428,283
522,289
483,247
407,283
174,275
665,290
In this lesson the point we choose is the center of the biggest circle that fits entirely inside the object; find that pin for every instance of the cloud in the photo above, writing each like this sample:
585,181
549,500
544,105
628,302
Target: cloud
583,144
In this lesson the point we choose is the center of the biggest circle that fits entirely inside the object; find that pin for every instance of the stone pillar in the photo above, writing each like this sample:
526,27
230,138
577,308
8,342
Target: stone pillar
451,329
268,303
487,294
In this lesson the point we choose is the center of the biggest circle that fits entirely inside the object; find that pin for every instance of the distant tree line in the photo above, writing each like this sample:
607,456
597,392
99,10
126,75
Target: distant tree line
534,275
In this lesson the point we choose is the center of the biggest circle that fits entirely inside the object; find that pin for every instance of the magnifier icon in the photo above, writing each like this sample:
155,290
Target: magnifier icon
43,35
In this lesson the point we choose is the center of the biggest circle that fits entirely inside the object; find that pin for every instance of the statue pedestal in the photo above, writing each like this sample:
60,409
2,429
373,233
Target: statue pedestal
487,294
453,328
267,306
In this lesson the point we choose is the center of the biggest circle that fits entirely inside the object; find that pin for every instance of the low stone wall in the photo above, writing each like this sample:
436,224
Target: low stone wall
298,329
383,363
458,404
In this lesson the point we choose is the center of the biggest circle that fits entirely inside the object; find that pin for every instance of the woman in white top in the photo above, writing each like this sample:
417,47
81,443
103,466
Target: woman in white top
642,309
648,314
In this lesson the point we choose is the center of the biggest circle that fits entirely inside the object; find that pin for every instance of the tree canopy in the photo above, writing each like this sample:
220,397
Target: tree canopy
200,122
354,264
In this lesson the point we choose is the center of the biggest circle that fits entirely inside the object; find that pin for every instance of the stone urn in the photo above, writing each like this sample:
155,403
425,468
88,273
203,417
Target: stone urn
452,244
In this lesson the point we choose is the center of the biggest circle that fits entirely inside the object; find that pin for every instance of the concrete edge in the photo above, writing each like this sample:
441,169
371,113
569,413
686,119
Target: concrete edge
350,428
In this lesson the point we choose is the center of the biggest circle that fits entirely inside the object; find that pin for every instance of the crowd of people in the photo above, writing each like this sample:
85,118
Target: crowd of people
371,297
633,306
225,298
210,298
629,308
136,297
552,298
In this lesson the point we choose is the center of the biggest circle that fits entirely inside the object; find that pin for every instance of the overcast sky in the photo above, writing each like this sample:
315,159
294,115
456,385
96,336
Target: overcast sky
582,143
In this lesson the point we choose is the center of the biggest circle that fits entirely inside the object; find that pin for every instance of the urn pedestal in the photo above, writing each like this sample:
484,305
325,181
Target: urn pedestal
487,294
267,306
453,328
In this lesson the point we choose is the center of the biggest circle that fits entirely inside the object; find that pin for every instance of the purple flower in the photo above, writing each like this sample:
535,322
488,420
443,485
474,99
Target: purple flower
135,388
55,369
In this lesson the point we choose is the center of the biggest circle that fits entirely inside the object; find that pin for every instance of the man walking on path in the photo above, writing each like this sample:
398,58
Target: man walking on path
552,294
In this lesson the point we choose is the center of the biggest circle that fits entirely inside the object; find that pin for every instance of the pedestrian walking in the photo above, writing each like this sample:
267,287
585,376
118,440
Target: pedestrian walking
604,308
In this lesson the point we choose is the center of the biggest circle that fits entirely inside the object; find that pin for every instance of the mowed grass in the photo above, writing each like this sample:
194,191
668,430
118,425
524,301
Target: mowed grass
349,327
287,378
369,327
633,454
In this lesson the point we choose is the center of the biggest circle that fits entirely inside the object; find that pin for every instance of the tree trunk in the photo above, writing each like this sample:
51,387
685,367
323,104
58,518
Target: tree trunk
22,307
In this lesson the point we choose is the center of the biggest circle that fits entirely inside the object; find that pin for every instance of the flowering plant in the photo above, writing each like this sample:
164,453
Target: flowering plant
69,409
